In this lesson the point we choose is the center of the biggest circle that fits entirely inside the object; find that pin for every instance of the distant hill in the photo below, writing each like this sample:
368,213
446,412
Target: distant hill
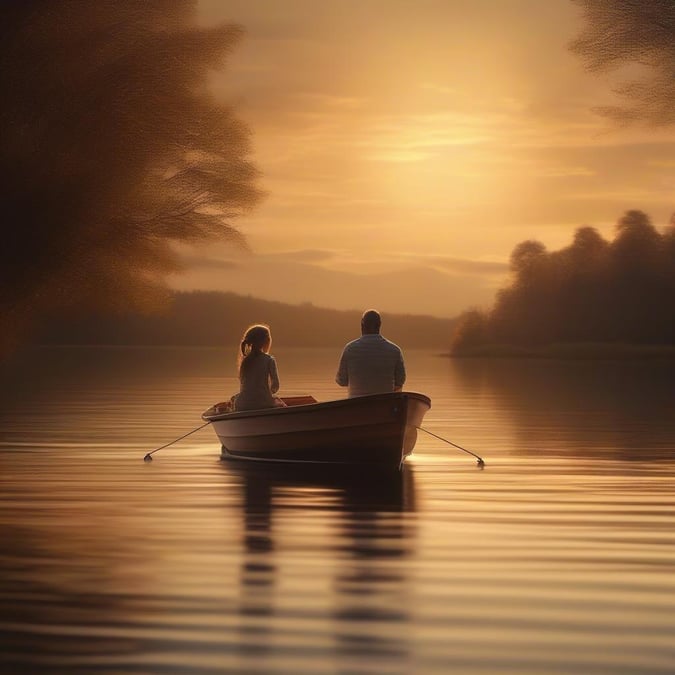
212,318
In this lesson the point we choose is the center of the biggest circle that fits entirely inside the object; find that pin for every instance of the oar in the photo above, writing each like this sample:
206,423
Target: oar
148,458
480,462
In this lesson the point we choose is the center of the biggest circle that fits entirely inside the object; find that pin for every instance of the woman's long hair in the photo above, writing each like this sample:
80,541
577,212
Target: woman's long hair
255,339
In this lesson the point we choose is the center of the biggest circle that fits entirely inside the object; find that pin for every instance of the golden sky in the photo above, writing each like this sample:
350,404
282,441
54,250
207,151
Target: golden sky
408,145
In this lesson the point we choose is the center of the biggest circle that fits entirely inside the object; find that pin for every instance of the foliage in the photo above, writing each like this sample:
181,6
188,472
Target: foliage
621,291
112,152
213,318
639,33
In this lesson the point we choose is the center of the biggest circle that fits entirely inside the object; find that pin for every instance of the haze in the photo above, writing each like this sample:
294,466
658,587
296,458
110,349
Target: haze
406,149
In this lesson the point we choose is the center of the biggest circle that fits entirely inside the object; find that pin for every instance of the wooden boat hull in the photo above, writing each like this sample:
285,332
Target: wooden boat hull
378,429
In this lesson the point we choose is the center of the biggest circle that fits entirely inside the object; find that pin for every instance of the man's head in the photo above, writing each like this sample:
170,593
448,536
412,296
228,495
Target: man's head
370,322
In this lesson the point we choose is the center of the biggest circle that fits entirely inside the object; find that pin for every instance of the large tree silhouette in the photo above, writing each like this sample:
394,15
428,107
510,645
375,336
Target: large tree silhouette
591,291
112,151
638,33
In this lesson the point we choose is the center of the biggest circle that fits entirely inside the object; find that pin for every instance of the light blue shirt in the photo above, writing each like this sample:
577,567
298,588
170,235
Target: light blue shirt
371,365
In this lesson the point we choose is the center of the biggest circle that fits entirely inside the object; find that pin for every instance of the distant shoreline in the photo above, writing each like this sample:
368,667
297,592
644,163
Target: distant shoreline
212,318
572,350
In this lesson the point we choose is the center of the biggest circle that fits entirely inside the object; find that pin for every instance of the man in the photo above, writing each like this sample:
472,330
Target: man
371,364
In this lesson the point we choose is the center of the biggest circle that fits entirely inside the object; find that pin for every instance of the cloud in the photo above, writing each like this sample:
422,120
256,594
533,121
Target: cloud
458,130
471,267
234,259
401,282
303,256
194,262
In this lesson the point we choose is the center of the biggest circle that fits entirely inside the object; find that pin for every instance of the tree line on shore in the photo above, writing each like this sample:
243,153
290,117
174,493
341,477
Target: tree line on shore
594,290
201,318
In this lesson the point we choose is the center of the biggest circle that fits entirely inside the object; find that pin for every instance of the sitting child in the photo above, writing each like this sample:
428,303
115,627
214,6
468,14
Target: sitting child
258,376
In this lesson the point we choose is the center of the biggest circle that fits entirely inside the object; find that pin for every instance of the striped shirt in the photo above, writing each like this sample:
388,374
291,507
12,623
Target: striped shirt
371,365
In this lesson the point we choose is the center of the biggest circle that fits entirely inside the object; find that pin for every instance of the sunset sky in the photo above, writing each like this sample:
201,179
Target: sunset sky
407,147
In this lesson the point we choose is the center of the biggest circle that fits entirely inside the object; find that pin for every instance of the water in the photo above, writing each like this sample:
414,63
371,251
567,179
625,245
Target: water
557,558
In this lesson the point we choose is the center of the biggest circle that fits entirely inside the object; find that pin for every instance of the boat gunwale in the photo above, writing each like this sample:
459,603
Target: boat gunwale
307,407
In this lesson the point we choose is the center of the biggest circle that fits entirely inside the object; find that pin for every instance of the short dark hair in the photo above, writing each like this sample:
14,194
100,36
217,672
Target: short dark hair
371,320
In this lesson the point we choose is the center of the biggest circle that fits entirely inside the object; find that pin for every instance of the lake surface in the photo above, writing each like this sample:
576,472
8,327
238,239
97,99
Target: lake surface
558,557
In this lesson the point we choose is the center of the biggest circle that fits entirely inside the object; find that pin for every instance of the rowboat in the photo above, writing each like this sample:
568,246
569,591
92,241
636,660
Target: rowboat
378,429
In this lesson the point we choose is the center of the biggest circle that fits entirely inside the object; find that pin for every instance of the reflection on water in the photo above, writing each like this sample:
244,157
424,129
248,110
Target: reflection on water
581,408
370,543
558,558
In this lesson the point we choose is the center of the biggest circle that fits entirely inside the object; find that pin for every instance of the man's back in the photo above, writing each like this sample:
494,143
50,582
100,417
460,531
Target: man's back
371,365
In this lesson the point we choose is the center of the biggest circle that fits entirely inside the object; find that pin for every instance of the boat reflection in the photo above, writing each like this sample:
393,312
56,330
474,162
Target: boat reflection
363,560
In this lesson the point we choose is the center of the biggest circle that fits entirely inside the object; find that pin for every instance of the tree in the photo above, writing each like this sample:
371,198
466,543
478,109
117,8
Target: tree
588,245
637,243
639,33
112,151
590,291
526,257
471,331
638,279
